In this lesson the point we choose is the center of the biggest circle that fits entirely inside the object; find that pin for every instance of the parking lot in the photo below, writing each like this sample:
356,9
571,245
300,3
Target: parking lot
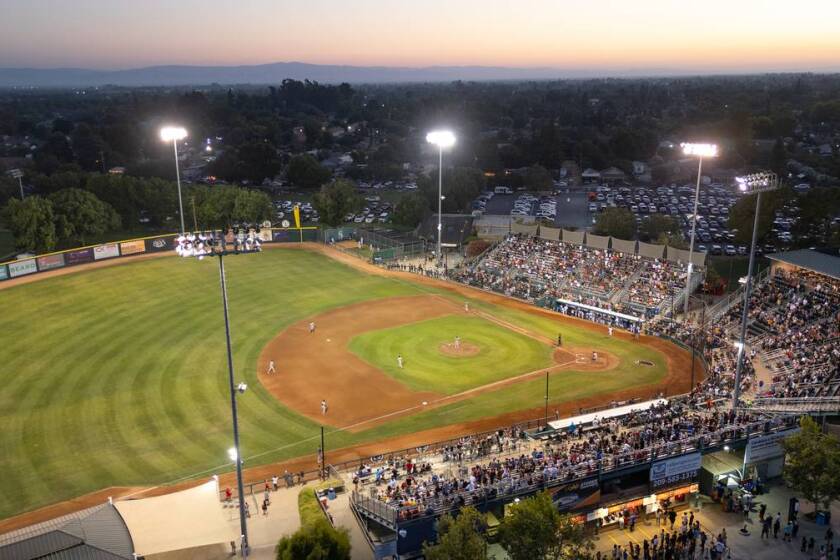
580,210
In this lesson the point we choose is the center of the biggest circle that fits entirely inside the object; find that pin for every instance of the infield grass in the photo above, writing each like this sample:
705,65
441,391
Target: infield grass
502,353
117,376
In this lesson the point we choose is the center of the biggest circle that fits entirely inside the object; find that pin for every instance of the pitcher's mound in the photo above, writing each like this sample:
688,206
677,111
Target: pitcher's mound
464,350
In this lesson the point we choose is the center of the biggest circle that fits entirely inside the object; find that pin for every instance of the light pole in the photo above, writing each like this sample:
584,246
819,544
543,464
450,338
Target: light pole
175,133
17,174
756,183
442,139
701,151
214,245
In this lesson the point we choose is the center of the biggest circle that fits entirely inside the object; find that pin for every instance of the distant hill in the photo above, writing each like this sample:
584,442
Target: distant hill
268,74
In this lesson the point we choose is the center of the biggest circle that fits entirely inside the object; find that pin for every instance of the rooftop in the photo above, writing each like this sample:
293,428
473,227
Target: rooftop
809,259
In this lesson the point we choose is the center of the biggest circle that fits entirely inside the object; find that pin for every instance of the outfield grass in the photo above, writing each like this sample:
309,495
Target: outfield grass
502,353
118,376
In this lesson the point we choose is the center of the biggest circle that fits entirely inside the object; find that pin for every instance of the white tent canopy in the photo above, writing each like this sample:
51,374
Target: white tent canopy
186,519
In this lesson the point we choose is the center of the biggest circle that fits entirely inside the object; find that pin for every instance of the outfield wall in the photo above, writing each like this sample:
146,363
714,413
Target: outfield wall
68,258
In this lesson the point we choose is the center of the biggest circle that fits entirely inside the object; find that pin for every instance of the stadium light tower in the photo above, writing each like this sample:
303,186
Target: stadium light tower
756,183
215,245
173,134
700,151
442,139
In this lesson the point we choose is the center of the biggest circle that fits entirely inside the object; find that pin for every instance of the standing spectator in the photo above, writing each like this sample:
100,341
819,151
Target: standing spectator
777,524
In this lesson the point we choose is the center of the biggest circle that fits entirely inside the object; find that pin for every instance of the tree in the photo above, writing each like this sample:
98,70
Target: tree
305,172
536,530
336,200
459,538
460,187
315,541
32,223
813,461
79,216
224,205
656,226
742,215
617,222
537,178
411,210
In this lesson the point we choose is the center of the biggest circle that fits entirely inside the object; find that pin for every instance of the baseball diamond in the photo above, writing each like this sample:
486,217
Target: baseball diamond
137,396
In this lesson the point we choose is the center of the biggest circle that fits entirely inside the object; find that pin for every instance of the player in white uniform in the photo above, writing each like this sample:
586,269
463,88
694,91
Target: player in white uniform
400,361
312,327
271,369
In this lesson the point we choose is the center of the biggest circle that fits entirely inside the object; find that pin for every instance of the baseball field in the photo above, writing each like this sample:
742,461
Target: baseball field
117,376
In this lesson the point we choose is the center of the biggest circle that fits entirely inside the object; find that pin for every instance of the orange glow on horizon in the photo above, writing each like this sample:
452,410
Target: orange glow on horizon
615,35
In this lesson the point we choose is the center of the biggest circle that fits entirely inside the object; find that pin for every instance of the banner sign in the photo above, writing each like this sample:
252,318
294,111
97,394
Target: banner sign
107,251
50,261
4,273
281,235
21,268
160,244
766,447
79,256
676,466
132,247
265,235
576,495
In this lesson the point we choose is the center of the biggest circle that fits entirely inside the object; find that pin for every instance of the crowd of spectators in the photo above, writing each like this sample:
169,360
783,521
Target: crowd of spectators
492,466
531,268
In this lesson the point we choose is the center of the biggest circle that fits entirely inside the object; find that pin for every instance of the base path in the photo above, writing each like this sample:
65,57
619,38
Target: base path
315,366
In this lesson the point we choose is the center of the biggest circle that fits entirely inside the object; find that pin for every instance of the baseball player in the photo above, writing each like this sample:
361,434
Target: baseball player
609,330
324,406
466,307
311,327
457,343
594,356
400,361
271,367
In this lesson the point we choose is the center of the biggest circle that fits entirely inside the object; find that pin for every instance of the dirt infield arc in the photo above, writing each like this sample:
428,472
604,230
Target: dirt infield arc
315,366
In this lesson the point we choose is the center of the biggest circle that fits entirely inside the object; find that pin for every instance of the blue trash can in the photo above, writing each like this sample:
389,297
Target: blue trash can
331,494
821,518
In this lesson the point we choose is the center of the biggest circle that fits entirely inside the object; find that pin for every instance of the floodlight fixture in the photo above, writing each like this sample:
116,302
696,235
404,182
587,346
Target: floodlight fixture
441,138
173,133
700,150
757,182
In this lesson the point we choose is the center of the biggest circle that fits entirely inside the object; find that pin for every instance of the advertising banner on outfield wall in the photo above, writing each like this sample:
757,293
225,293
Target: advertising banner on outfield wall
50,262
132,247
159,244
107,251
4,273
265,235
79,256
22,268
282,235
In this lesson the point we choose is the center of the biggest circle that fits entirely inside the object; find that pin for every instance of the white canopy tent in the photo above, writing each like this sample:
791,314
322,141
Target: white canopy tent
187,519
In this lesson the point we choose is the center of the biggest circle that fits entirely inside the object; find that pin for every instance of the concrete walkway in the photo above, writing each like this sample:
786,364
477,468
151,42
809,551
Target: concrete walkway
712,519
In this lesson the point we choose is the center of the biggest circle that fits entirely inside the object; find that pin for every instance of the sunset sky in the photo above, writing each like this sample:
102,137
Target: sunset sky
613,35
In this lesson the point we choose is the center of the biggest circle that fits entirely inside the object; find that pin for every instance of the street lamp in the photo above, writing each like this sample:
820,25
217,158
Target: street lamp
214,244
173,134
700,151
17,174
756,183
442,139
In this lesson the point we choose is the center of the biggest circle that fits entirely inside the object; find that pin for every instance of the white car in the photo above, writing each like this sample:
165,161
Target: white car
369,219
359,219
